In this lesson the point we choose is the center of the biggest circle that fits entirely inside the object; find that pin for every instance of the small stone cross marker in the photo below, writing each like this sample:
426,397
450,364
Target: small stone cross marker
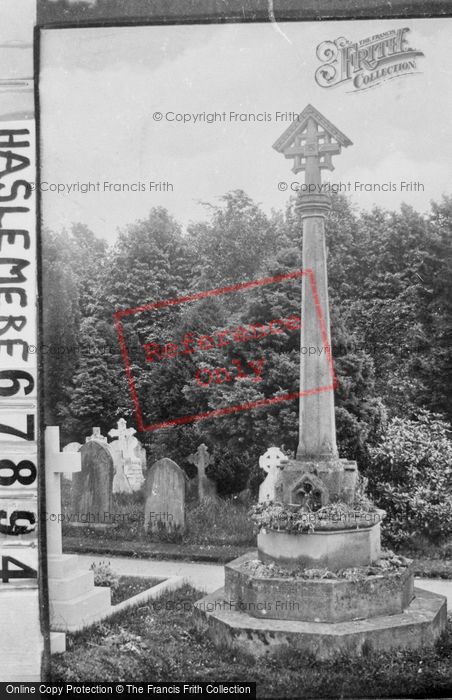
96,436
270,462
201,459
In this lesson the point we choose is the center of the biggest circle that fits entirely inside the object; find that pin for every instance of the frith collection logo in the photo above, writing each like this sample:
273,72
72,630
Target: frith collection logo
366,63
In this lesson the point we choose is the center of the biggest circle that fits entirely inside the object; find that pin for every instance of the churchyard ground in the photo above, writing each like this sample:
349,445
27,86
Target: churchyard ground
159,641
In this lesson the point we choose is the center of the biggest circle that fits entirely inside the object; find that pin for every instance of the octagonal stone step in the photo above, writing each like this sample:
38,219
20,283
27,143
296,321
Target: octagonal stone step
420,625
316,600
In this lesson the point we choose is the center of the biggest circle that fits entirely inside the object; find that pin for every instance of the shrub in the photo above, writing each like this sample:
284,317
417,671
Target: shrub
410,476
104,575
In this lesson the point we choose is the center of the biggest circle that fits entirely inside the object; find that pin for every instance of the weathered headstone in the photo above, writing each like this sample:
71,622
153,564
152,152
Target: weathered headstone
270,462
91,493
201,459
128,446
165,497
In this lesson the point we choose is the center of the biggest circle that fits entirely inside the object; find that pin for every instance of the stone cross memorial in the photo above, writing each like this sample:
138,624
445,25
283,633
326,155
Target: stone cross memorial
201,459
165,497
121,483
314,606
270,462
129,458
74,602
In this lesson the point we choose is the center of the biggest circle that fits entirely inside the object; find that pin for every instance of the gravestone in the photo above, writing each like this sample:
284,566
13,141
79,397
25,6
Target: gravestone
91,493
72,447
201,459
130,452
270,462
164,507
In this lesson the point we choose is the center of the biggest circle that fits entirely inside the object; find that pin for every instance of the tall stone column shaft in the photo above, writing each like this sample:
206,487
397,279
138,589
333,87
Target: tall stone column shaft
317,429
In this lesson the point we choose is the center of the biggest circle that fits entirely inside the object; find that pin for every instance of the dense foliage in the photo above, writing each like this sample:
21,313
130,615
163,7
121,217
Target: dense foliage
390,295
411,476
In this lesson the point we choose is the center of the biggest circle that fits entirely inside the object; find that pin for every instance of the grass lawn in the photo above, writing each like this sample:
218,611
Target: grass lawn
158,641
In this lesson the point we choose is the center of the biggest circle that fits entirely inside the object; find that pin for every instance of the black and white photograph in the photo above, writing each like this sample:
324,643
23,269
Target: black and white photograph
225,342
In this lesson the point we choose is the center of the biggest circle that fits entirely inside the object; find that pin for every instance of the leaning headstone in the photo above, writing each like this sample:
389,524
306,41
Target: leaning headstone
164,507
201,459
91,493
72,447
270,462
129,447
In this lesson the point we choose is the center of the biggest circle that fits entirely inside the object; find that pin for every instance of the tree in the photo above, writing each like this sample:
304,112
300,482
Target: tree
150,262
232,245
61,321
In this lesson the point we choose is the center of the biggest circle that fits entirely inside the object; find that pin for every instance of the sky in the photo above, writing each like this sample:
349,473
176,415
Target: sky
101,87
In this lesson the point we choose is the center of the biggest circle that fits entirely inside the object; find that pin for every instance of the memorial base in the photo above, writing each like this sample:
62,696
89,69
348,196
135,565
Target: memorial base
419,625
271,595
331,549
74,601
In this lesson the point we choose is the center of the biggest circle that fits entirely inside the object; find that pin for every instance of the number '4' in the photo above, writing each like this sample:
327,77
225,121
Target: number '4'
25,571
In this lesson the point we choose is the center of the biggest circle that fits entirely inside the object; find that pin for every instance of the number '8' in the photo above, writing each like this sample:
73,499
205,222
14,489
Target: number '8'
17,472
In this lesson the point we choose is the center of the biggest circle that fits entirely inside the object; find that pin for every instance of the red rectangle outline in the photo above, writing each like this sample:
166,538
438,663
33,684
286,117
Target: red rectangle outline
118,315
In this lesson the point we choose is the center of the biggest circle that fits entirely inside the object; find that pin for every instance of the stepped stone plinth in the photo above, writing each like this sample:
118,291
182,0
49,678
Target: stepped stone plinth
270,595
318,585
74,601
419,625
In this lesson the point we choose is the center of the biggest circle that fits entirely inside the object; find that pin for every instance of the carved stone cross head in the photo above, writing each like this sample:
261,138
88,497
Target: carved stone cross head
201,459
311,141
272,458
122,432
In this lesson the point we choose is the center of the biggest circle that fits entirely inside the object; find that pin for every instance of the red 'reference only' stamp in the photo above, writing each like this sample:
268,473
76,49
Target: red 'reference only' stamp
190,345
